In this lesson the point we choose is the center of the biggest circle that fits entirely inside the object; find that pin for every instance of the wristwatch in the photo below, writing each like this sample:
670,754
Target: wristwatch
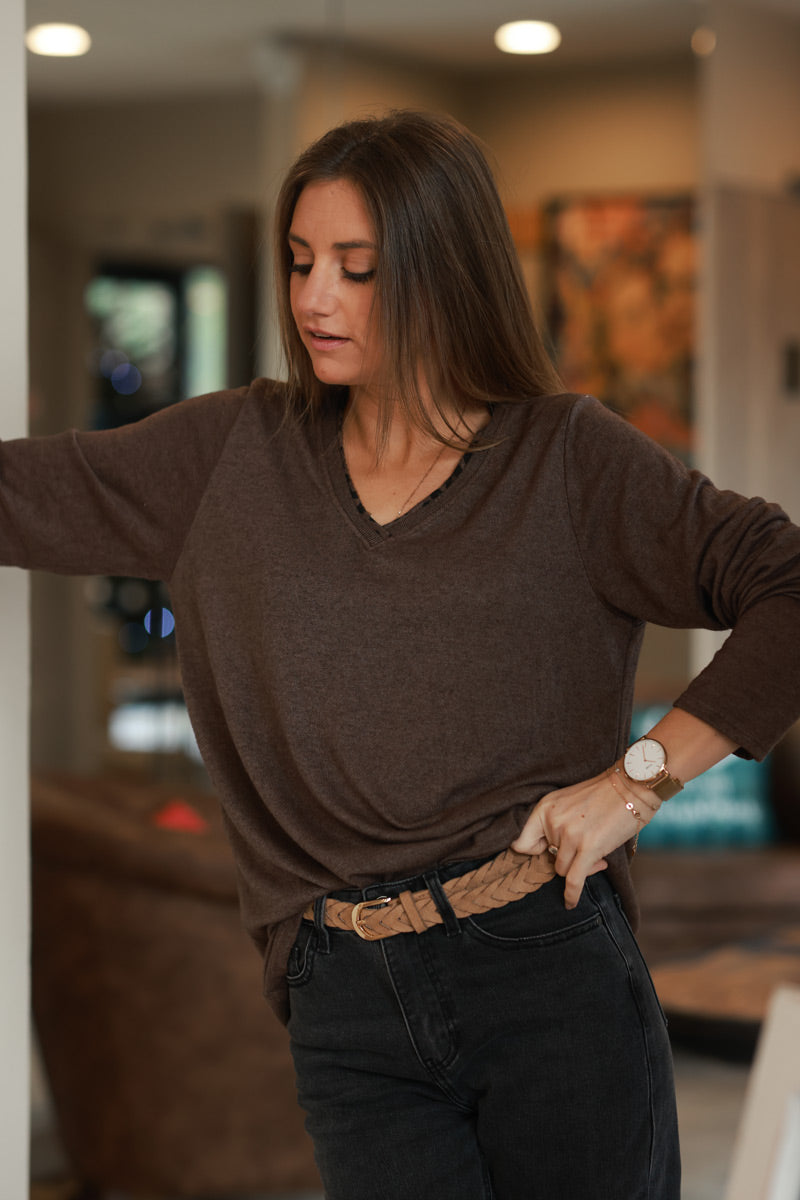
645,762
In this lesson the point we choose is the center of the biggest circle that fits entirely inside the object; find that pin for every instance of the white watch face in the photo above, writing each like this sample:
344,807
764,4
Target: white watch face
645,759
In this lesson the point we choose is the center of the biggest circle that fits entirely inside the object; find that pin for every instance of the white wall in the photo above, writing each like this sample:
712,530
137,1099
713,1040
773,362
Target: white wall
595,129
13,632
748,427
749,306
751,421
149,172
751,101
344,87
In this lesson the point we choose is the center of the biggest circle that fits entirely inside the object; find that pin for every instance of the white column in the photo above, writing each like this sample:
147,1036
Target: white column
14,918
750,109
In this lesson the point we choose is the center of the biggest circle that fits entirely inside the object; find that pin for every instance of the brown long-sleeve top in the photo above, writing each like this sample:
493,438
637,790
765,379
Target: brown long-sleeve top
372,700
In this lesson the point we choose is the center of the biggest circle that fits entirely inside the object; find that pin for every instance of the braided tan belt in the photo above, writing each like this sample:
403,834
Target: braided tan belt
509,876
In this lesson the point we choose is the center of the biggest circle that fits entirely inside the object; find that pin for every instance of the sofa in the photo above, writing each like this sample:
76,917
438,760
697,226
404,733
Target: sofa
169,1075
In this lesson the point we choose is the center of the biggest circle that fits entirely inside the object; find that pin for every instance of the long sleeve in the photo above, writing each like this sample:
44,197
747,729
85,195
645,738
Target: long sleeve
661,543
113,502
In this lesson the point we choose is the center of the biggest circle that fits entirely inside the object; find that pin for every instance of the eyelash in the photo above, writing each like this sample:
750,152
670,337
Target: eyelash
351,276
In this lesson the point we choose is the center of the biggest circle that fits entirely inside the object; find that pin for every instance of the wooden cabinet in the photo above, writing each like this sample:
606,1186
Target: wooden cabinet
696,901
720,931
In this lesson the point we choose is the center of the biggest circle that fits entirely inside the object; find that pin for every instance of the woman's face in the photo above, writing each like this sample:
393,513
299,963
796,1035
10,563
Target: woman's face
331,287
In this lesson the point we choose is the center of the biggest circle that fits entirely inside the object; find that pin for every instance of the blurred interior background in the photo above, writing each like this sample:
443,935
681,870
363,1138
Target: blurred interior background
650,167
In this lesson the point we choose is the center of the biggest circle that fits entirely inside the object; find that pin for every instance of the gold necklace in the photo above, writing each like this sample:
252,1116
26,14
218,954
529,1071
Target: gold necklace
408,498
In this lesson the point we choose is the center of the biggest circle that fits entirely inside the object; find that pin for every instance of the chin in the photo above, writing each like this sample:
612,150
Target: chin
333,378
335,374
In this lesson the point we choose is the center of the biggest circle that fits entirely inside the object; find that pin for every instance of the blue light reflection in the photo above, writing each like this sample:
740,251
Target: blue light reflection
159,622
126,379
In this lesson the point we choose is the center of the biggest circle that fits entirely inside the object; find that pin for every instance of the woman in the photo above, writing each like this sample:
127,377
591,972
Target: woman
410,587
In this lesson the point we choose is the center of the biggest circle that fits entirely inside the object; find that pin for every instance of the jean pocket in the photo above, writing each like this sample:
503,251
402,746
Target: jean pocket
539,919
301,956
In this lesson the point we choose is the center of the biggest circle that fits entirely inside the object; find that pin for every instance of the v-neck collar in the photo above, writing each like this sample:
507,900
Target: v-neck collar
352,508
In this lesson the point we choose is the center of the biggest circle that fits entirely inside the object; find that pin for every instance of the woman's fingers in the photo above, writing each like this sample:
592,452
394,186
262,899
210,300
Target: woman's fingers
548,827
533,837
583,823
576,878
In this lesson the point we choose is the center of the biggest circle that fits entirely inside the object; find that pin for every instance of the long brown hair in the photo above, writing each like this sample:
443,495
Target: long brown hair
449,292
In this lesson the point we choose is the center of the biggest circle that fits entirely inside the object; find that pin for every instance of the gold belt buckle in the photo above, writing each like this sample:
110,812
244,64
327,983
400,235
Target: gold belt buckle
355,917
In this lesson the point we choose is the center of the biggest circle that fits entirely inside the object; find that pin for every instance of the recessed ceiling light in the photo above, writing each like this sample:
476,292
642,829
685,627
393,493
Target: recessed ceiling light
527,37
704,41
61,41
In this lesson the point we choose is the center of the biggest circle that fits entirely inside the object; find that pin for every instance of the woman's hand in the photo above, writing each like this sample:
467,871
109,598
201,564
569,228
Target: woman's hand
586,821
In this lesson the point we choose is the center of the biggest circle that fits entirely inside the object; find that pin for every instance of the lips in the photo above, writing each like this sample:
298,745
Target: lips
321,340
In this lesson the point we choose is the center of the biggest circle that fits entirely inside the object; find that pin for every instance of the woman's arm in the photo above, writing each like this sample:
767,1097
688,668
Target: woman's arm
116,502
660,543
588,820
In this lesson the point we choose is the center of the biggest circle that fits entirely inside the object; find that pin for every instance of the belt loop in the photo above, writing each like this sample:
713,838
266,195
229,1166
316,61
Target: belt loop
323,936
443,905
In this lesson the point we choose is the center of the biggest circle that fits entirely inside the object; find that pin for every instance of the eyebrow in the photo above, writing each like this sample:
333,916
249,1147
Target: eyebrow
354,245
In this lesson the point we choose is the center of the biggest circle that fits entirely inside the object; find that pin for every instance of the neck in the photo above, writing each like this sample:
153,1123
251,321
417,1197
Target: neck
394,475
405,441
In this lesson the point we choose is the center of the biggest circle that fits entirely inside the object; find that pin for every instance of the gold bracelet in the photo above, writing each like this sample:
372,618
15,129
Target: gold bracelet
633,811
630,791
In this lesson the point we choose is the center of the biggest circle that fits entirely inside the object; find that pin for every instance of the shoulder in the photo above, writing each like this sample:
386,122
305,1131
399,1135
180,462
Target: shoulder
594,431
591,447
190,435
213,416
552,410
262,396
559,420
578,413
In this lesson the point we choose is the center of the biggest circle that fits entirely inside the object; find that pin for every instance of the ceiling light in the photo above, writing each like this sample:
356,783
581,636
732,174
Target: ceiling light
704,41
527,37
62,41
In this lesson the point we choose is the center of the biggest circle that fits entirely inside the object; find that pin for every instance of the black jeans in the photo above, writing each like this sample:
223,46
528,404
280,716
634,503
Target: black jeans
517,1055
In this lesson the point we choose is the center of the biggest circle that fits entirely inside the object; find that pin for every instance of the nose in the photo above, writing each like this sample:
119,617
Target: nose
314,293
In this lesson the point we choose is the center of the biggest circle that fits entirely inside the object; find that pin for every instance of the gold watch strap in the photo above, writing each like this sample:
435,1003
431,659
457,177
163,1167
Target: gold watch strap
665,786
